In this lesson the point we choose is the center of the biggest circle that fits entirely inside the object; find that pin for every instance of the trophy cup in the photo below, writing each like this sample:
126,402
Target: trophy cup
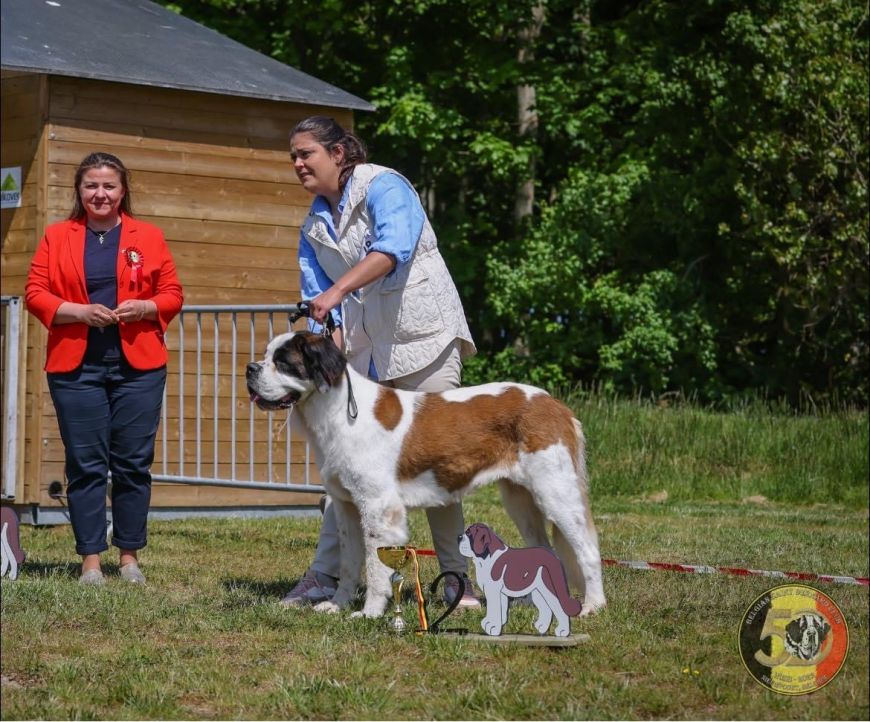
395,558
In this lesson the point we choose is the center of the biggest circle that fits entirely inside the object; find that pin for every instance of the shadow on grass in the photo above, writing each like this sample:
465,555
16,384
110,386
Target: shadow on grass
259,588
46,570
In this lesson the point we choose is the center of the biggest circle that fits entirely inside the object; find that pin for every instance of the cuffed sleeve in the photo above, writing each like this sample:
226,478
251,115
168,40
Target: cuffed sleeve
397,217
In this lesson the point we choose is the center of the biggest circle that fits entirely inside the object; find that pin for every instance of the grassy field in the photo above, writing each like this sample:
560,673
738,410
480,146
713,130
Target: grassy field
206,639
694,453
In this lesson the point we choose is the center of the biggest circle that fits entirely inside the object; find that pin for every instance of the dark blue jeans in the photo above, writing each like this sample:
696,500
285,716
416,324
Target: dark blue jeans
108,415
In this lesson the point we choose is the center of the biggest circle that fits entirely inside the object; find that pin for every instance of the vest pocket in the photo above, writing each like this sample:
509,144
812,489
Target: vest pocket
415,309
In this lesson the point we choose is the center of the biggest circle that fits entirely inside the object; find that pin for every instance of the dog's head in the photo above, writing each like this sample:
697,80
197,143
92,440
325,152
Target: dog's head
295,365
805,635
479,541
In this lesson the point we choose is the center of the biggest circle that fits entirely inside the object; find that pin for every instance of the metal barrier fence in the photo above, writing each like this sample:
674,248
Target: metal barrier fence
210,432
11,373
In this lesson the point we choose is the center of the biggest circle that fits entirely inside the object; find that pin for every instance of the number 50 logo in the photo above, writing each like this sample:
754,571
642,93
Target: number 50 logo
793,639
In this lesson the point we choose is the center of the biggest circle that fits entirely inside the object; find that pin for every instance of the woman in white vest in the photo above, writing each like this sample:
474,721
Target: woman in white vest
368,255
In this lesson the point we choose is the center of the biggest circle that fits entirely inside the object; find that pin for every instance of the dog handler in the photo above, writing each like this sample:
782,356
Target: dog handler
105,286
369,256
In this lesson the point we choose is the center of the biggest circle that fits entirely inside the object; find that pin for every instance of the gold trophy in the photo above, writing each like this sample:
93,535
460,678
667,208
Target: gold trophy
396,558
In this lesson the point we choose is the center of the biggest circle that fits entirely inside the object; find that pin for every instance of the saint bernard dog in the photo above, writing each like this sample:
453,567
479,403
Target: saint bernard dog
805,635
503,573
381,451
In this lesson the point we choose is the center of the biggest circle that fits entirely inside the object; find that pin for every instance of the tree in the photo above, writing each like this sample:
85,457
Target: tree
656,195
711,233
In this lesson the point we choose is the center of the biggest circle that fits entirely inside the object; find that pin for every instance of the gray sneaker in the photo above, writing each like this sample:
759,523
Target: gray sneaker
92,578
313,588
451,589
131,573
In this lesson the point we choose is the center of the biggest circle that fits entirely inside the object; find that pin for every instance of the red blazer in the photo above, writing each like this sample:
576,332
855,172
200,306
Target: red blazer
57,274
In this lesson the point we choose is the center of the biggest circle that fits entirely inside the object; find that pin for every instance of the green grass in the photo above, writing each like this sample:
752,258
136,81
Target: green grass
206,639
694,453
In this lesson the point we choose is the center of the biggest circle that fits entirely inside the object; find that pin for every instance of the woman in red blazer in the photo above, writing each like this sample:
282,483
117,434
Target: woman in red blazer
105,286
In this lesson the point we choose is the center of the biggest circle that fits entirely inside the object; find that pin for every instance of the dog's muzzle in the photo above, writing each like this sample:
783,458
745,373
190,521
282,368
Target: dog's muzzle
252,373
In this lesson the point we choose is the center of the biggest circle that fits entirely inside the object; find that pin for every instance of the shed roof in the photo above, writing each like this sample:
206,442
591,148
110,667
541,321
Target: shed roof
140,42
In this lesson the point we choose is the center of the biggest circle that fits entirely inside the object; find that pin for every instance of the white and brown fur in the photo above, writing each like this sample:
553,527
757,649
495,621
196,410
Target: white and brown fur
408,449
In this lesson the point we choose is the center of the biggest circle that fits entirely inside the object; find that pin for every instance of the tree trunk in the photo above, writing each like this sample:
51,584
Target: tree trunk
527,114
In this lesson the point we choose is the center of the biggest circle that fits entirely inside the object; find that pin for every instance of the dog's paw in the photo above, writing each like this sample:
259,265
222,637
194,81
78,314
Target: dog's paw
326,607
541,627
374,607
493,629
561,631
590,608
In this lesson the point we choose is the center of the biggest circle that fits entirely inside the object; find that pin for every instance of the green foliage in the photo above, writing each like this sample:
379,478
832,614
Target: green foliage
711,231
701,177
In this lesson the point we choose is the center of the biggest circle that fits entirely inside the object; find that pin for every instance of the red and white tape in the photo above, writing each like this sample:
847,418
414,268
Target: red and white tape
737,572
734,571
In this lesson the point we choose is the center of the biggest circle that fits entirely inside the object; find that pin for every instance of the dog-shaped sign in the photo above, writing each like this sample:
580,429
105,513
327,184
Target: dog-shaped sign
10,547
504,573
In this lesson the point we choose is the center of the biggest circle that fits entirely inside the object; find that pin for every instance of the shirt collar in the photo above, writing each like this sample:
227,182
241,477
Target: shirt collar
320,206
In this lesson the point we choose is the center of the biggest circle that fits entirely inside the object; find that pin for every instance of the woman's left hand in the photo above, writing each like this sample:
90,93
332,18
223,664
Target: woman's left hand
133,310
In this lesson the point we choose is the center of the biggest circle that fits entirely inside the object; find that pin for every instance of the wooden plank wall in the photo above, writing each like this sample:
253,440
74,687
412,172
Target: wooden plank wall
214,173
23,110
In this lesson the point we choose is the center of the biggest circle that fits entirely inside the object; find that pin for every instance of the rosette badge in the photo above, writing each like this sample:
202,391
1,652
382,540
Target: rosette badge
135,260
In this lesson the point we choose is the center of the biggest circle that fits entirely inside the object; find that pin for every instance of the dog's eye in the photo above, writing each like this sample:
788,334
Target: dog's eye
281,363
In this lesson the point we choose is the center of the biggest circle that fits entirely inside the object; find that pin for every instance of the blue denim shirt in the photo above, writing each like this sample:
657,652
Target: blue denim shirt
397,221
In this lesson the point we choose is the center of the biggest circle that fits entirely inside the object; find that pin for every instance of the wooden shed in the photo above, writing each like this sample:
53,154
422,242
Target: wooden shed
202,123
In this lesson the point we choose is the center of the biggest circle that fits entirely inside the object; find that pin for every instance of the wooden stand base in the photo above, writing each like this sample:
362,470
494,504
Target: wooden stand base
529,640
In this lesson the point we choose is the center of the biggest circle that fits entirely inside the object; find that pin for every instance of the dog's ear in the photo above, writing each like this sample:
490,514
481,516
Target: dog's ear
323,360
480,540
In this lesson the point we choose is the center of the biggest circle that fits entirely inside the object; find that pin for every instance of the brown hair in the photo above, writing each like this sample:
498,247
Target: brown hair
101,160
330,134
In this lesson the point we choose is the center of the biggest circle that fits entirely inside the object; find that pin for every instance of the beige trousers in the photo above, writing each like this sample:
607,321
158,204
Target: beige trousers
445,522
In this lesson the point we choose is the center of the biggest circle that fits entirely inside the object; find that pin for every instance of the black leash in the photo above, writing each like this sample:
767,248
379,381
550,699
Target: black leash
352,410
328,327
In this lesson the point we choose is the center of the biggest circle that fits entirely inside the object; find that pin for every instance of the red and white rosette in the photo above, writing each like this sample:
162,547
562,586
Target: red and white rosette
135,260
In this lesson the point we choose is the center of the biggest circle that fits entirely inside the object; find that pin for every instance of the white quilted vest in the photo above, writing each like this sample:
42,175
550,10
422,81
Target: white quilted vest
405,320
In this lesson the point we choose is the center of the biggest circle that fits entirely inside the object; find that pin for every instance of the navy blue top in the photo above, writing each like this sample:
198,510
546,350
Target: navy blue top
101,259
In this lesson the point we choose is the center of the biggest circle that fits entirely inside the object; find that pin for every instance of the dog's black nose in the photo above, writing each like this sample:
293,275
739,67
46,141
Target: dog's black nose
252,370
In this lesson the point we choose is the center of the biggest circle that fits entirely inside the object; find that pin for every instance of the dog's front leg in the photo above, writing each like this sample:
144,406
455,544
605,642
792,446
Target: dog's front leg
496,610
384,523
349,534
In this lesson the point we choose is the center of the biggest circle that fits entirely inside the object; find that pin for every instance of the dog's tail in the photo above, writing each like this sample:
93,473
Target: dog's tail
561,545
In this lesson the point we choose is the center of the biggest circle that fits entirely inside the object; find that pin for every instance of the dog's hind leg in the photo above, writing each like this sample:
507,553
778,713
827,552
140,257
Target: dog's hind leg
520,506
577,545
545,613
566,554
563,499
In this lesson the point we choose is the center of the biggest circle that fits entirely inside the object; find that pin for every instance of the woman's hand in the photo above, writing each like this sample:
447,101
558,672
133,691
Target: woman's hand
95,314
374,266
133,310
321,305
